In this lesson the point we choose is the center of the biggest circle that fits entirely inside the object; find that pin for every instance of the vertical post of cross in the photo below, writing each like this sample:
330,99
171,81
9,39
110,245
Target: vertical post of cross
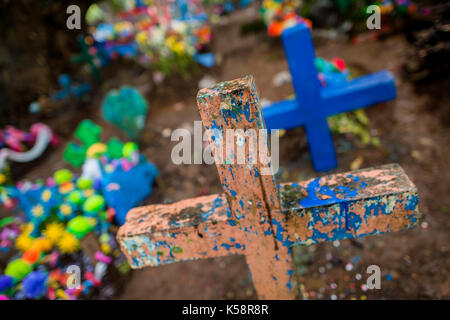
251,192
299,51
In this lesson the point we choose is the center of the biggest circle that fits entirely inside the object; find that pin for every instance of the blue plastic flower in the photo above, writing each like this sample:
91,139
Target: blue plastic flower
35,284
6,282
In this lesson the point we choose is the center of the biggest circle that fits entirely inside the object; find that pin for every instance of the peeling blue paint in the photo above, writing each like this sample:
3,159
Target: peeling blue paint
314,189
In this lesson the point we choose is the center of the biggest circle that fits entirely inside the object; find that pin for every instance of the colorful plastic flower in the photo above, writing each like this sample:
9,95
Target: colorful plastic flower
66,187
38,211
18,269
46,195
24,242
93,205
35,284
68,243
75,197
66,211
42,244
80,226
53,232
88,192
31,256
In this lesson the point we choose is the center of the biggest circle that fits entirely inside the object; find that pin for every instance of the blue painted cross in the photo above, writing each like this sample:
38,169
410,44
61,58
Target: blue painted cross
313,103
68,89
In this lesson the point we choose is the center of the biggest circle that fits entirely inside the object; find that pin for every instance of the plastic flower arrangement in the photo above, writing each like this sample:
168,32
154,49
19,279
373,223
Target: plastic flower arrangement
162,35
61,212
335,72
68,243
20,146
281,14
53,232
398,6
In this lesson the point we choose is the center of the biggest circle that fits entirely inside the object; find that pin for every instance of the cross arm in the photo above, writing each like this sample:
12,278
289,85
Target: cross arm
283,115
358,93
350,205
165,233
340,206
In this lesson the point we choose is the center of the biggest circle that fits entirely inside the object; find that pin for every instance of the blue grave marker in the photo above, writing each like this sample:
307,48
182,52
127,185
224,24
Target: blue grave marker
68,89
314,103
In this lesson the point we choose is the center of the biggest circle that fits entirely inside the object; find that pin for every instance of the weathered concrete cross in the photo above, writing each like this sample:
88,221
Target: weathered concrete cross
313,104
258,218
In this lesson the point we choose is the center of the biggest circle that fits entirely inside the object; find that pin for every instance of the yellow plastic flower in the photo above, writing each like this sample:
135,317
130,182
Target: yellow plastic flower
141,38
53,232
65,209
42,244
170,41
122,25
68,243
27,228
37,210
271,5
46,195
178,48
106,248
24,242
60,293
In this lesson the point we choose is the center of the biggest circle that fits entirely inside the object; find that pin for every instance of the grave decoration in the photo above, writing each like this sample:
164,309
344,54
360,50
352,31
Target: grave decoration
70,93
257,217
400,7
71,220
167,35
112,166
335,72
19,146
394,16
89,58
127,109
280,14
69,89
314,103
66,223
160,35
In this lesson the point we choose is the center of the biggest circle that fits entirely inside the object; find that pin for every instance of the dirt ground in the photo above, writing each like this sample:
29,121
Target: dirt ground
414,264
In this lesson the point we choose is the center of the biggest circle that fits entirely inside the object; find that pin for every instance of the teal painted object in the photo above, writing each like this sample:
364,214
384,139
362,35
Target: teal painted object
127,109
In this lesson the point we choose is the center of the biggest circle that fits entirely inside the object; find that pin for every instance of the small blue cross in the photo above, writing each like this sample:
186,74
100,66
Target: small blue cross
314,103
68,89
